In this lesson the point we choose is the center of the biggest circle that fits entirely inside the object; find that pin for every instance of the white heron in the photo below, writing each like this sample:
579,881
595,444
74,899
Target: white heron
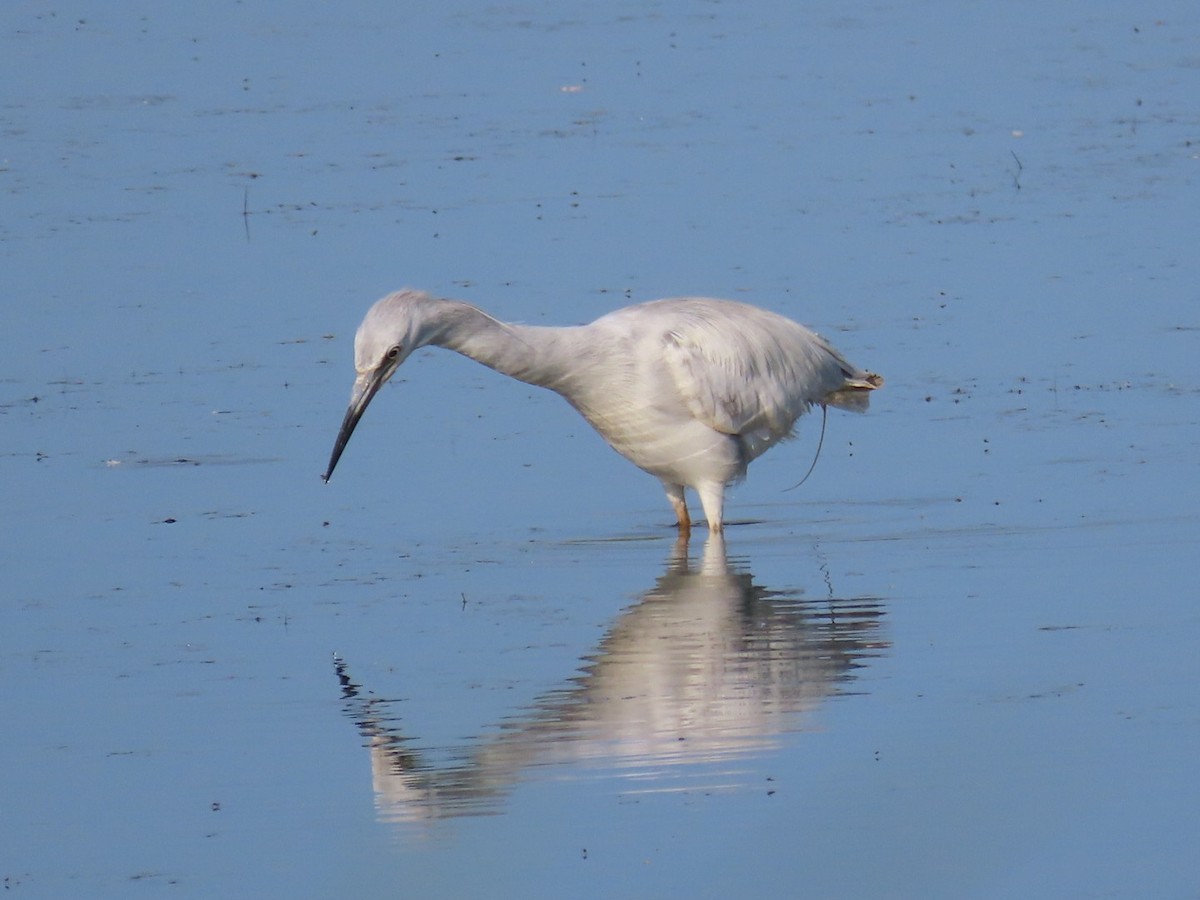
691,390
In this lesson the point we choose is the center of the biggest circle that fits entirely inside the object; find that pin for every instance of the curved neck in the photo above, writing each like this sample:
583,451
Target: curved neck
543,356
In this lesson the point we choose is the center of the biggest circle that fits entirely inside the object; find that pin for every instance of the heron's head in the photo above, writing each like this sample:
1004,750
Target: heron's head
391,330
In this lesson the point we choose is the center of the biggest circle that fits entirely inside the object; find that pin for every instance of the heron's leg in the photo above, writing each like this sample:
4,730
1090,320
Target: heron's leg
679,504
712,498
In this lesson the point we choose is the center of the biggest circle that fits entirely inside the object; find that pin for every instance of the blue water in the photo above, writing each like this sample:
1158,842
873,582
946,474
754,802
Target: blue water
958,662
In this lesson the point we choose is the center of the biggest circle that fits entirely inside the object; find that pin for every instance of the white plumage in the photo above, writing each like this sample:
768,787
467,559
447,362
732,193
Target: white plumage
691,390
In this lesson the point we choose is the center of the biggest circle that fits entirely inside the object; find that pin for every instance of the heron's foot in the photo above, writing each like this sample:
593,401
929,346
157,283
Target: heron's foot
681,511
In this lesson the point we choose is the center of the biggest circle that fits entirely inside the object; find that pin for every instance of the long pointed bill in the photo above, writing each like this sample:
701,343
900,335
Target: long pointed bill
364,389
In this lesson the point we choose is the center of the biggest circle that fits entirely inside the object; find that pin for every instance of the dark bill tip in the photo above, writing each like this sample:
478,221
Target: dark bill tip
357,407
343,438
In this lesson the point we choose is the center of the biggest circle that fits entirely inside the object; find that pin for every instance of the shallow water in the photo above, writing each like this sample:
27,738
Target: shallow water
959,661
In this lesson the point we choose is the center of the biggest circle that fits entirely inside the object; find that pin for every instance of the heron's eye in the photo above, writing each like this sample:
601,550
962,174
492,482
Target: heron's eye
394,352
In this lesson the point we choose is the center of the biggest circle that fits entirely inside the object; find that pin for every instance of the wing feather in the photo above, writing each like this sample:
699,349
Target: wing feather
749,372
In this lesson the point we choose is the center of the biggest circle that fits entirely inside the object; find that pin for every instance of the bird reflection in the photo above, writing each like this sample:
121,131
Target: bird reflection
706,668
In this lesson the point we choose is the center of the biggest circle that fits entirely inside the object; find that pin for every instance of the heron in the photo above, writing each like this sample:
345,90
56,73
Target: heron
691,390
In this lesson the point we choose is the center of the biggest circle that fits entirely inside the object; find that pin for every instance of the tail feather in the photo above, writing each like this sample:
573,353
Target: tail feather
855,393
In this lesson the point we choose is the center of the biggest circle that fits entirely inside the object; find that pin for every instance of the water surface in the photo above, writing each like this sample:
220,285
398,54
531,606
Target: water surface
958,662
